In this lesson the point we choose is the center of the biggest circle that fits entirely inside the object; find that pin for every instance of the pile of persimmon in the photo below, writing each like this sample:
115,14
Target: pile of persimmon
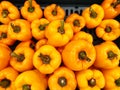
43,49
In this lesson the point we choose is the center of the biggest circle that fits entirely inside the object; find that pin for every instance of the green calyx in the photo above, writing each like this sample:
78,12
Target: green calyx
111,55
31,8
26,87
92,82
76,23
93,14
54,12
62,81
4,83
114,4
42,27
19,57
108,29
3,35
83,56
45,58
117,82
61,28
5,13
15,28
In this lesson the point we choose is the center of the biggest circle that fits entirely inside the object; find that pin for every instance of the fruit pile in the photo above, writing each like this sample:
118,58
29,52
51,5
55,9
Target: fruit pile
43,50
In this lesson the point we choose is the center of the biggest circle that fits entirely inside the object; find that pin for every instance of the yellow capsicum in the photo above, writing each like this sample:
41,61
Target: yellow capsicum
77,22
8,12
31,10
108,30
93,15
4,56
4,37
83,35
112,78
7,78
107,55
58,33
31,80
46,59
54,12
63,79
111,8
38,28
78,55
90,79
22,58
19,29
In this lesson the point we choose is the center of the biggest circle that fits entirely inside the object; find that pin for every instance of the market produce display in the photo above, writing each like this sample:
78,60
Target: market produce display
46,49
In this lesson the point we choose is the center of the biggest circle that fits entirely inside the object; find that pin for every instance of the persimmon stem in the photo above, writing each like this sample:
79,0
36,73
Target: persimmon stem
3,35
108,29
92,82
62,81
93,14
114,4
83,56
31,8
76,23
117,82
45,58
54,12
42,27
26,87
111,55
16,28
5,83
19,57
61,28
5,13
